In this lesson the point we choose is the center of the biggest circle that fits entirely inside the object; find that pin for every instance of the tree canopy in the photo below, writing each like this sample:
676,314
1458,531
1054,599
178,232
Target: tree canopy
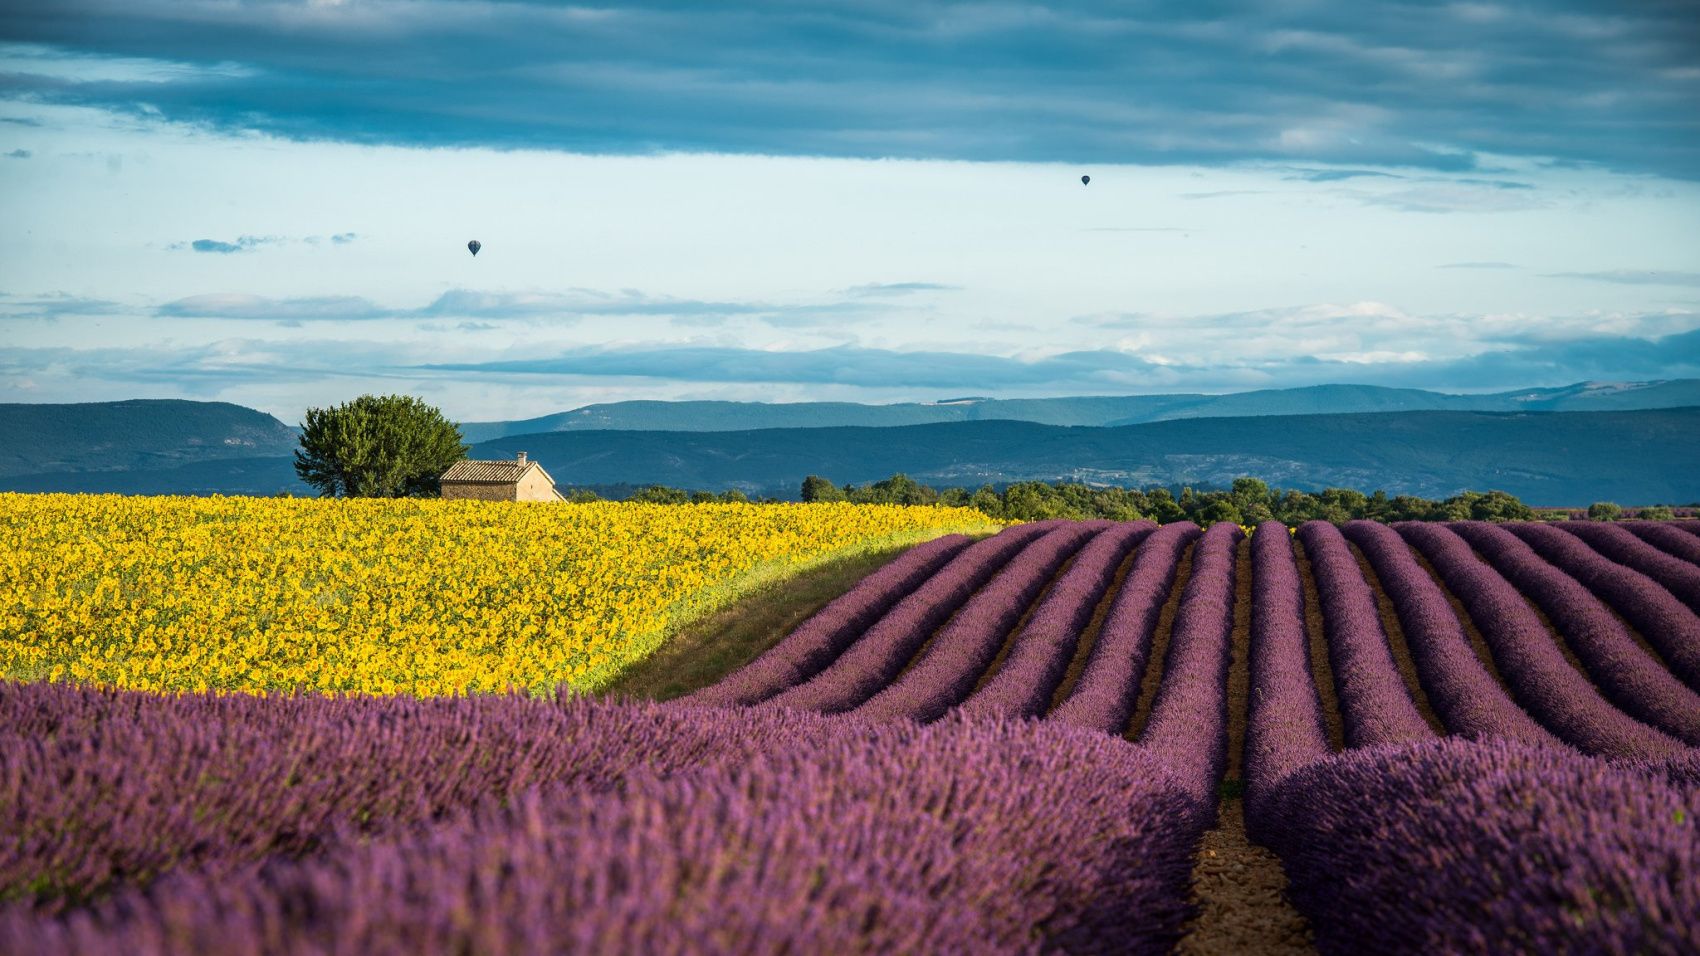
377,446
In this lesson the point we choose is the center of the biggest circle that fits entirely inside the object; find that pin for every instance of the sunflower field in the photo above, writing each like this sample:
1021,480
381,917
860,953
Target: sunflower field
390,596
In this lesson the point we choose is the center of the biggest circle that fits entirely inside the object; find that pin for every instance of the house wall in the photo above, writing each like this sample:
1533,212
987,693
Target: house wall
477,491
534,487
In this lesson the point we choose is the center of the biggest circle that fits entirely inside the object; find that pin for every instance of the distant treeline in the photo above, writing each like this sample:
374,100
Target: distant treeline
1248,501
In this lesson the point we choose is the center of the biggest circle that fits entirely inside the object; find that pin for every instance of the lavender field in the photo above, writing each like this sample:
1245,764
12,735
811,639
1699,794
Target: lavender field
1452,738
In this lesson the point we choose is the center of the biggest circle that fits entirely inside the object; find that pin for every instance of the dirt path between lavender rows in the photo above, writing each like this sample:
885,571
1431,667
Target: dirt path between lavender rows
1238,886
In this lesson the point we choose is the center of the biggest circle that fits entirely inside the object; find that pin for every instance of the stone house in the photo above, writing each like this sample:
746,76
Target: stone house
517,480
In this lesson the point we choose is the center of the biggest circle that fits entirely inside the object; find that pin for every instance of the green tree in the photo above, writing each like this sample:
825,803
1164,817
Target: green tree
1220,509
1459,507
1251,498
1162,507
1656,513
1296,507
816,488
899,489
662,495
377,446
1343,504
1411,508
1033,501
1604,511
1500,506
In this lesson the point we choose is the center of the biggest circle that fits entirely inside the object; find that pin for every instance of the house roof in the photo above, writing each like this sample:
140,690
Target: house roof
490,472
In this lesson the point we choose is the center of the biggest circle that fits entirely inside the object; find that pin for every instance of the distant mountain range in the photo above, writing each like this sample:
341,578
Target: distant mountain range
1106,411
139,435
1546,458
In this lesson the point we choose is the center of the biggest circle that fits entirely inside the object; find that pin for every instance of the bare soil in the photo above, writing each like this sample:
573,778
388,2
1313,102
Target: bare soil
1237,885
1240,891
1477,642
1155,661
1397,643
1321,668
1089,637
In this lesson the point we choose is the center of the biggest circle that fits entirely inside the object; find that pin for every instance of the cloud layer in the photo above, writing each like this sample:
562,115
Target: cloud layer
1375,83
544,305
504,376
1110,371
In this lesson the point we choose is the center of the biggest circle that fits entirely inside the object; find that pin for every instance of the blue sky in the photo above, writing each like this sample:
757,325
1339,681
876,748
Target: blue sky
268,202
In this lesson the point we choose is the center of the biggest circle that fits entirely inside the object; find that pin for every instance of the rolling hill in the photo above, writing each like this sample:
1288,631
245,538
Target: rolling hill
1090,411
144,434
1545,458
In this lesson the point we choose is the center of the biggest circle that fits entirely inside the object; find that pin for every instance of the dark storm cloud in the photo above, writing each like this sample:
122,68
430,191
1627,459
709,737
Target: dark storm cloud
1378,83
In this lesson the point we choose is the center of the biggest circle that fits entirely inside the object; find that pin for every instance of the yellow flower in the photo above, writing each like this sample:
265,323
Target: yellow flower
388,596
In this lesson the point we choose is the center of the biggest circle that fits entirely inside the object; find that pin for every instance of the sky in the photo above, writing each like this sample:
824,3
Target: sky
268,202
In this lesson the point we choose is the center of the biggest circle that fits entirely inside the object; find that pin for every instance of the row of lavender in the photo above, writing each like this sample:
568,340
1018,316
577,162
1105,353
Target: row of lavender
1506,835
273,825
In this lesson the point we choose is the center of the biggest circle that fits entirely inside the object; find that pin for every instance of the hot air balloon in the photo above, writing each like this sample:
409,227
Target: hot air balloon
475,245
1085,180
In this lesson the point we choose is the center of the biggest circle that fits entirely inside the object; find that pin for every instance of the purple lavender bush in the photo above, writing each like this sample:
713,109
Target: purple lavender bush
1529,657
952,837
1188,727
1466,846
1375,705
819,640
1668,536
1680,577
1460,689
1666,623
1107,691
1039,659
962,650
1633,680
104,787
881,652
1284,724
